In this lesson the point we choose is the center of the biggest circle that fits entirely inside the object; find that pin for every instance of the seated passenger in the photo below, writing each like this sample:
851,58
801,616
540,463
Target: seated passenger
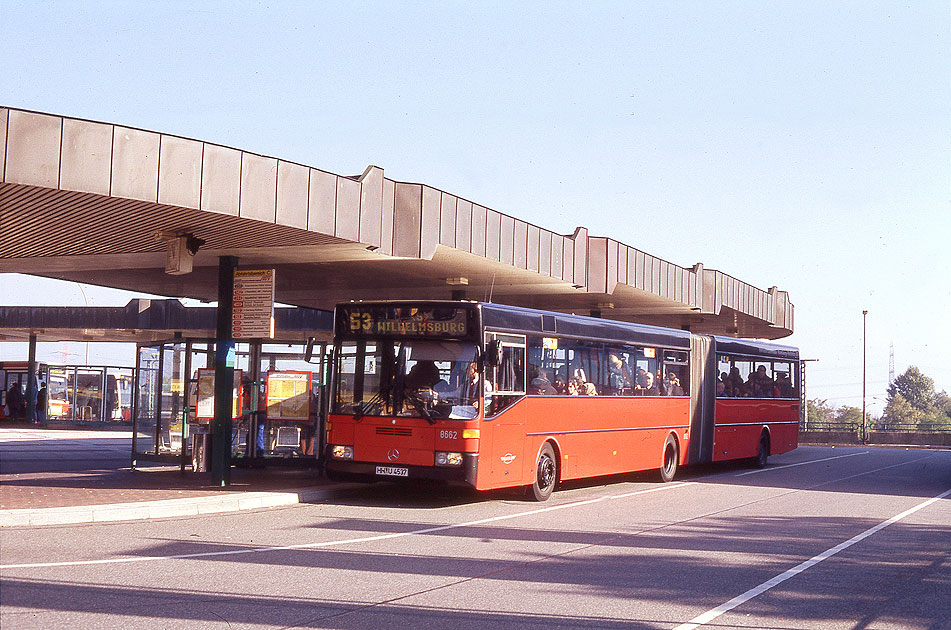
588,389
649,388
672,385
639,381
761,384
728,390
721,390
784,388
425,375
541,384
736,380
574,387
469,391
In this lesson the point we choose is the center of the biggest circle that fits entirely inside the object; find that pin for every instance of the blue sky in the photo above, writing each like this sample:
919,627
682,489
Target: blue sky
804,144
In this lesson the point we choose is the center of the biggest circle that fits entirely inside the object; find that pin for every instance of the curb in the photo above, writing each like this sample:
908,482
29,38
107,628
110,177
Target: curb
140,510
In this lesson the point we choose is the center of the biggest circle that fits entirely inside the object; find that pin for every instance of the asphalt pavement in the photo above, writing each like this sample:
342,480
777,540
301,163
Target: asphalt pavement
822,537
52,476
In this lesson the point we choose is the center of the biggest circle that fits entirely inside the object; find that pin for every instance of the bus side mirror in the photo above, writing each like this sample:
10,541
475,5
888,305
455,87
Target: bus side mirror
309,349
493,353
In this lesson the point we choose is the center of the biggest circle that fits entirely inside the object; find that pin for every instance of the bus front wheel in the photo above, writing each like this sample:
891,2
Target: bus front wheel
546,474
671,458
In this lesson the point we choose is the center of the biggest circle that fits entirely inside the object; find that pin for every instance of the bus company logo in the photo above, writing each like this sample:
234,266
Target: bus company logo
393,455
508,458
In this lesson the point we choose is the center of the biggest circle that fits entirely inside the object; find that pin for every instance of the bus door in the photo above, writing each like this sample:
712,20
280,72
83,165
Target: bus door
502,455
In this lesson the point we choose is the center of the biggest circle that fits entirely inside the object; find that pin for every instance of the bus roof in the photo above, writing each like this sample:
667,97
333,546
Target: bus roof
732,345
517,319
525,320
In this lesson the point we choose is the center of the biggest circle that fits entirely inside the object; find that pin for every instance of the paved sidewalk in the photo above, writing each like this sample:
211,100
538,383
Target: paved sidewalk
58,476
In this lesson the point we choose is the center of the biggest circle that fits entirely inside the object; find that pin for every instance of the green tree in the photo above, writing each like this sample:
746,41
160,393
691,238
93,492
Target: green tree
913,403
916,388
819,413
901,413
851,416
943,402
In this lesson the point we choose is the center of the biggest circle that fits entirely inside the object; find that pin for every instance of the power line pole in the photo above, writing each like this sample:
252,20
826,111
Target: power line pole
891,364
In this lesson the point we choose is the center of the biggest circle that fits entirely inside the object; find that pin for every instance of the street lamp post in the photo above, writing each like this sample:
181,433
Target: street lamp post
864,427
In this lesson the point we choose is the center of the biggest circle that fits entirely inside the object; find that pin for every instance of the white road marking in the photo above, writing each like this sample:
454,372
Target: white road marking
812,461
713,613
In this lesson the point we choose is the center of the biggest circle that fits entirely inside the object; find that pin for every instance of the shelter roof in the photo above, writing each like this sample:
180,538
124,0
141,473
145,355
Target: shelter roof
146,321
98,202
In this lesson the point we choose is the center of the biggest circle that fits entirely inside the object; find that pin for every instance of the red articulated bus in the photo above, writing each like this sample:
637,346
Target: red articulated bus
496,396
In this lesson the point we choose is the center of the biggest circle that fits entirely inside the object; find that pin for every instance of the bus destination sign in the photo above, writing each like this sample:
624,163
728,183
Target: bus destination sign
443,322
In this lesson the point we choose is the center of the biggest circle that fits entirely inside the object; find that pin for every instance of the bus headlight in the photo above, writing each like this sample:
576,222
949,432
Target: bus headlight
338,451
470,434
448,459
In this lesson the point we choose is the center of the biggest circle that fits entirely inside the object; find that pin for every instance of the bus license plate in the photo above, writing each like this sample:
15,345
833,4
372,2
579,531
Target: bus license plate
392,471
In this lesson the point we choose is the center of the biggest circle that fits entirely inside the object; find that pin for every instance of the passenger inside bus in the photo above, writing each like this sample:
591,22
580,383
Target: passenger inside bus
736,380
784,386
425,375
619,376
724,386
672,386
541,383
649,388
760,384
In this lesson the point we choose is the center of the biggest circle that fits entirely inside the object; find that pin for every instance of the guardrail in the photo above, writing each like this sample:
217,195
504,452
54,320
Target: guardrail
928,435
890,427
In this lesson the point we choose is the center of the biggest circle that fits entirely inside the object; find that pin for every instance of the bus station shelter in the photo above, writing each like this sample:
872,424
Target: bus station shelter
116,206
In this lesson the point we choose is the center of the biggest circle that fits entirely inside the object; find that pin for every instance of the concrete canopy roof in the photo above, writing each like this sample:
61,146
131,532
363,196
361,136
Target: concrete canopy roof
146,321
84,201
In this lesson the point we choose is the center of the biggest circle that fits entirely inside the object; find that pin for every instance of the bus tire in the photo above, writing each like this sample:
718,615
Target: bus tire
762,453
546,474
668,468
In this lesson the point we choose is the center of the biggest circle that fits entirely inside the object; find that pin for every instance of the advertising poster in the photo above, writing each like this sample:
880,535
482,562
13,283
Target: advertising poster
205,406
288,395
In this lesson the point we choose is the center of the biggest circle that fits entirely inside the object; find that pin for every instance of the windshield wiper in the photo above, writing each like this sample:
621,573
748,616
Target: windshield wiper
366,405
420,405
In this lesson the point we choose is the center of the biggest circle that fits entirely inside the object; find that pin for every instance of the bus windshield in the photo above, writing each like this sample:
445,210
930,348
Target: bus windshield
403,377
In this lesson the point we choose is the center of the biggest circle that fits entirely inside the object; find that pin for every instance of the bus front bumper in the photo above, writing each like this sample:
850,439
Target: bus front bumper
381,471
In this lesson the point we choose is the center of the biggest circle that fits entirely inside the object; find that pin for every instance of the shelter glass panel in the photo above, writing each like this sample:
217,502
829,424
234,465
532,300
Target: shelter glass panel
148,383
173,399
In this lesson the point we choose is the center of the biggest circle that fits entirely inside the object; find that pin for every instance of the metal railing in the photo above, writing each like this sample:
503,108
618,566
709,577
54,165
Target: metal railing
890,427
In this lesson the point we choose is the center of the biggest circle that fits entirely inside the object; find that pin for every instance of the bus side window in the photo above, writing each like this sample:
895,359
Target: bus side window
543,366
740,375
785,387
586,368
676,380
507,379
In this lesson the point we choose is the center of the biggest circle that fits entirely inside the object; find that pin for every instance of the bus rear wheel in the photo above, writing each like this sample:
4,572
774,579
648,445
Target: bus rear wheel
671,458
762,454
546,474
